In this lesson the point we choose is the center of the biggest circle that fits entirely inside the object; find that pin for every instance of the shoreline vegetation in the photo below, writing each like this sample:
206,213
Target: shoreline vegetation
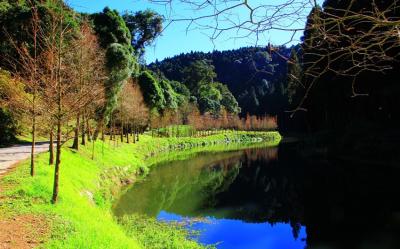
83,216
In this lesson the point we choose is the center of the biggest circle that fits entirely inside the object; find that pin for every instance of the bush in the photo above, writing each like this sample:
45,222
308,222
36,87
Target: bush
8,127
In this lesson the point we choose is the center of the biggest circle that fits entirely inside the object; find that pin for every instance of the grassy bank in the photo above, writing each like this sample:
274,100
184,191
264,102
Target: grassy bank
82,218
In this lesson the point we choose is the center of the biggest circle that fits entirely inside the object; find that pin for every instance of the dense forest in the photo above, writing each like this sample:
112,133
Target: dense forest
256,76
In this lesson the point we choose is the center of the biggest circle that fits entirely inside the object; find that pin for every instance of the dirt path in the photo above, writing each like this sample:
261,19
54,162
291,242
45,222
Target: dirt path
21,231
11,155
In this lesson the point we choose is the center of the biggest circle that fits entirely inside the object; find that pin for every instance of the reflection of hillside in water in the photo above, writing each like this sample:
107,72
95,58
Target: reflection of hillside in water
342,206
179,186
187,187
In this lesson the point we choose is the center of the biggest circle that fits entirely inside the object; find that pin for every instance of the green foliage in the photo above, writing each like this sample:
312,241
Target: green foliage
115,37
180,88
198,81
121,64
4,5
145,27
119,57
16,20
152,93
228,100
209,99
199,72
171,97
183,93
111,28
8,127
215,96
253,75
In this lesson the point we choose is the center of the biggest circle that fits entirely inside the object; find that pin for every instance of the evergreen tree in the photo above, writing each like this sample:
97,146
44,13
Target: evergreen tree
145,27
294,76
199,72
152,92
115,37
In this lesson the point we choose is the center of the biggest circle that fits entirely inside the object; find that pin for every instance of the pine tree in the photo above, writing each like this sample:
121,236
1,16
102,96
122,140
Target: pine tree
294,76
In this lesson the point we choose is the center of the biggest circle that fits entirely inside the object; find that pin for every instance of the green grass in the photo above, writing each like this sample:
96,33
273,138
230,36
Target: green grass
176,130
82,218
159,235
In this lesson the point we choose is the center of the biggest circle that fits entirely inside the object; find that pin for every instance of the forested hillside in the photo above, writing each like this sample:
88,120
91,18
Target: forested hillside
256,76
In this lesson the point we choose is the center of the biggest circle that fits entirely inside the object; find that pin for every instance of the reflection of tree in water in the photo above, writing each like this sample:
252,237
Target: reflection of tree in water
340,205
180,187
343,205
263,191
261,154
225,171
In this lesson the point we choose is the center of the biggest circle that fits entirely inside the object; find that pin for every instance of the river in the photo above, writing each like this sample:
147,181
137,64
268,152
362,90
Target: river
273,198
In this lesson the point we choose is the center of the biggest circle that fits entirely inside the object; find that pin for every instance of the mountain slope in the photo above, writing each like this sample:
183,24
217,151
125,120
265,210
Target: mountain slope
255,76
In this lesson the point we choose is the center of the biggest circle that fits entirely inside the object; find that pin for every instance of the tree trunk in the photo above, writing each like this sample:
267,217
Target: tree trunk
88,130
93,141
51,147
96,132
59,112
122,132
75,145
33,145
115,139
103,138
111,131
127,135
84,129
58,162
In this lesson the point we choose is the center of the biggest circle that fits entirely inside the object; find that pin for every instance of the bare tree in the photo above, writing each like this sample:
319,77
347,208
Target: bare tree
26,68
66,90
132,112
86,65
240,18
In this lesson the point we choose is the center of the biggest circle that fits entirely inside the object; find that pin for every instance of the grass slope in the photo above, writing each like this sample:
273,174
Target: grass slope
82,218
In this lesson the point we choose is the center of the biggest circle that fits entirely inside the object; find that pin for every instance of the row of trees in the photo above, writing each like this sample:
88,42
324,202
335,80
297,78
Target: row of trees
204,124
63,74
60,69
232,122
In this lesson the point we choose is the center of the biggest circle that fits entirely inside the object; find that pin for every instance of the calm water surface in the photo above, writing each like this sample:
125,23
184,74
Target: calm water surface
273,198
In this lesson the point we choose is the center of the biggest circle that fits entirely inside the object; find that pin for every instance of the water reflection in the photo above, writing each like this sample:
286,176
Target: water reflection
236,234
258,199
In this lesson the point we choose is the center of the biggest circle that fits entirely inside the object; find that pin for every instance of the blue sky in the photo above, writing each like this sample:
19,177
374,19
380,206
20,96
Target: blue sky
175,39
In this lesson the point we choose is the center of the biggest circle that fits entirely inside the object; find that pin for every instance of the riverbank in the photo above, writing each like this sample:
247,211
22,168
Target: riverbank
82,218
